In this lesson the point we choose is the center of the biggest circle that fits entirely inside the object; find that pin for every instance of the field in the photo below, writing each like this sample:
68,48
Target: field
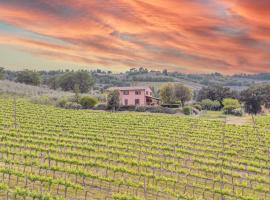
51,153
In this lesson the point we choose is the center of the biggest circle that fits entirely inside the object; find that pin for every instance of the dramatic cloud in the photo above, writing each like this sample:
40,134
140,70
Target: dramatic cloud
198,36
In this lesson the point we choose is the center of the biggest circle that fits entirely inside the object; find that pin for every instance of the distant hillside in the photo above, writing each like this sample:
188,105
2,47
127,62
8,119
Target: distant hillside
143,76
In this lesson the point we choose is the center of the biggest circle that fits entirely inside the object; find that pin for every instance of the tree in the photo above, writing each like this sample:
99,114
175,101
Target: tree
171,93
230,105
2,73
165,72
182,93
167,93
67,81
253,98
216,92
53,82
113,100
83,79
77,92
265,93
143,70
28,77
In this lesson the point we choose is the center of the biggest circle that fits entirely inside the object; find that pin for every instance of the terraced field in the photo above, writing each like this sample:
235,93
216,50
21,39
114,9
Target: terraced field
51,153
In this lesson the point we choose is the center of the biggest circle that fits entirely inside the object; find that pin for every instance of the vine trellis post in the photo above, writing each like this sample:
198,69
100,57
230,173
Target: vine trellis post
222,163
15,111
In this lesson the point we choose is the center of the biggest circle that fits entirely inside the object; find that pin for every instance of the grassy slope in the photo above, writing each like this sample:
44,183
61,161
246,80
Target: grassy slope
29,90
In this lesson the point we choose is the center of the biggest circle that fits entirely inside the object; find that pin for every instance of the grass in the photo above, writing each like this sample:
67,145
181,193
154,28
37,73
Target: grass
30,91
230,119
213,115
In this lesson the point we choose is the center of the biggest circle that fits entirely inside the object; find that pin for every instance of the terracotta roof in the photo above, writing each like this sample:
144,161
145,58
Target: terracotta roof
129,88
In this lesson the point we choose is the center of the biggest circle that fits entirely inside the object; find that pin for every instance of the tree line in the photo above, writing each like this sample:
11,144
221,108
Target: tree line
218,97
65,80
253,98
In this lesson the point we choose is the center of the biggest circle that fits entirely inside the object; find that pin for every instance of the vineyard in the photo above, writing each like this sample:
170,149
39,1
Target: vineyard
51,153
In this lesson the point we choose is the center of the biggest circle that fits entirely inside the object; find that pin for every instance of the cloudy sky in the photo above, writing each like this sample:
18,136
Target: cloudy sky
197,36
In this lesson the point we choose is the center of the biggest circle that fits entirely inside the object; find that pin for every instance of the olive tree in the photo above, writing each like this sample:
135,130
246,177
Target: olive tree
253,98
113,100
182,93
167,93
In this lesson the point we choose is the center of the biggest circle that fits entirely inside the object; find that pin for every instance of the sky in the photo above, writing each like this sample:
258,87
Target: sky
190,36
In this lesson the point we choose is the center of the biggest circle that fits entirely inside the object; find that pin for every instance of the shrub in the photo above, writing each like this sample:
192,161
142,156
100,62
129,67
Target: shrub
73,105
141,109
230,105
100,107
175,105
197,106
151,109
208,104
88,102
237,112
195,111
216,105
62,102
187,110
127,108
161,110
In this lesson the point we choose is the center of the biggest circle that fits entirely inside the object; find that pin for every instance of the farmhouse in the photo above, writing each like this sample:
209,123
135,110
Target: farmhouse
136,96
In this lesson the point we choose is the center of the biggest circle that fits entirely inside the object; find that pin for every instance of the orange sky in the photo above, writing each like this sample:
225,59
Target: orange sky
193,36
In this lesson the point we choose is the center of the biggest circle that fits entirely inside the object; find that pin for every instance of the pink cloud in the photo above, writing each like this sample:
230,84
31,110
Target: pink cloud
228,36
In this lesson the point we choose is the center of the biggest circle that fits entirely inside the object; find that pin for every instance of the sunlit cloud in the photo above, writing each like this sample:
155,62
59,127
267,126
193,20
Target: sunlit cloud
195,36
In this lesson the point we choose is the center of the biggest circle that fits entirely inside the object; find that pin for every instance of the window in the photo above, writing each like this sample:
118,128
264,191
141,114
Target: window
138,92
137,101
151,94
126,102
126,92
146,92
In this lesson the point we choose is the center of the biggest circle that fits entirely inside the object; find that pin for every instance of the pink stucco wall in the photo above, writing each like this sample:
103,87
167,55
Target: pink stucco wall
132,96
148,92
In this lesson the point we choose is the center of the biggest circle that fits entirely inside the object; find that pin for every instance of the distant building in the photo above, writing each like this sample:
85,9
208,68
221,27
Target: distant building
136,96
